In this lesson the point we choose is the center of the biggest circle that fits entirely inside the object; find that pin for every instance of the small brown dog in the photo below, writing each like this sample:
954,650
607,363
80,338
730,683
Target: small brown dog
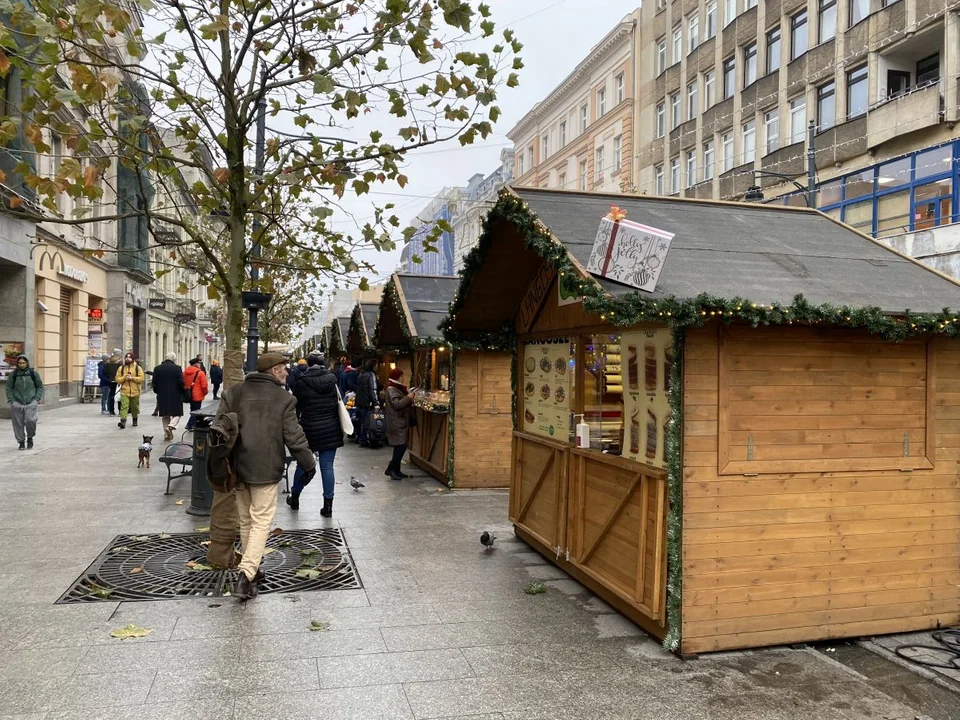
145,450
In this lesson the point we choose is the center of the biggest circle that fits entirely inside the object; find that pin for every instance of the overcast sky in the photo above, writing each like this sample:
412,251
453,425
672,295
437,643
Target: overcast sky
556,36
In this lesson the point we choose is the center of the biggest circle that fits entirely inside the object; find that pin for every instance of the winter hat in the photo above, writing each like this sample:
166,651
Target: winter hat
195,361
302,361
128,357
270,360
105,357
396,374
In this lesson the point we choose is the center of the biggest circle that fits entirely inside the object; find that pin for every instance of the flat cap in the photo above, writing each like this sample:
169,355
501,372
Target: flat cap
270,360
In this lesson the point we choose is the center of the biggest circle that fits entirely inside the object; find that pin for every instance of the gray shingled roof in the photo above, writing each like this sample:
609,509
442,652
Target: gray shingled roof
428,299
343,323
368,312
763,253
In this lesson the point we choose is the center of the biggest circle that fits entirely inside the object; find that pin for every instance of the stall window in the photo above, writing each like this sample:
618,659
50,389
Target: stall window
893,213
932,205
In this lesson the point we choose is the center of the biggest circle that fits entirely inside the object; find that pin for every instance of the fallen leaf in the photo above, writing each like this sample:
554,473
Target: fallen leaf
130,631
535,588
268,551
276,531
164,535
205,543
307,573
309,552
317,626
179,502
100,591
15,202
197,566
122,548
204,528
286,543
140,538
136,571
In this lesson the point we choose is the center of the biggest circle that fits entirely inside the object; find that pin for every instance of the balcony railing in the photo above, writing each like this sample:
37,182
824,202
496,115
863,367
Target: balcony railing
918,108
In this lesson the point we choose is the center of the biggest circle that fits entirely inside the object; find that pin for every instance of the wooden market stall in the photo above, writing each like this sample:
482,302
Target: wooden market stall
363,322
771,440
464,396
337,346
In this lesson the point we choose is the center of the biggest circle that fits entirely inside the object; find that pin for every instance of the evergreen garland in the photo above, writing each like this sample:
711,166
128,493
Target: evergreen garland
674,454
450,419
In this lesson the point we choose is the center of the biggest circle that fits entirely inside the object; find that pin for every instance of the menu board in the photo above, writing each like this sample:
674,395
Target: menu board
647,364
546,388
8,359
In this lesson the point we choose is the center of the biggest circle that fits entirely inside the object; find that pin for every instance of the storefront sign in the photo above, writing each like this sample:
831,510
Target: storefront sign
135,295
646,366
71,272
8,359
629,252
95,314
157,303
546,388
532,301
568,289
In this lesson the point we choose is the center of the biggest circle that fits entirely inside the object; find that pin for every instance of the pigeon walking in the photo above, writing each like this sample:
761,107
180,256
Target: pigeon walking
356,484
487,539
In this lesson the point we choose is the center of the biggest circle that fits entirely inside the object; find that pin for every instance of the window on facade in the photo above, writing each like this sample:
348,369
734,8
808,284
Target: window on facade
860,216
691,168
620,85
708,160
674,110
829,193
675,175
598,165
888,3
601,102
932,205
934,162
771,130
859,9
928,69
545,143
661,55
583,175
828,20
617,153
530,157
711,28
749,141
584,118
729,11
692,100
773,50
661,119
563,133
658,174
677,44
562,181
857,92
726,143
520,170
891,174
750,4
858,185
709,89
798,119
729,77
893,213
693,32
749,64
798,35
826,106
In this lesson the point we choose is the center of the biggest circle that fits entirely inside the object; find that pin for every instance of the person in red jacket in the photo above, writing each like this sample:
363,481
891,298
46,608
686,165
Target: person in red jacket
195,381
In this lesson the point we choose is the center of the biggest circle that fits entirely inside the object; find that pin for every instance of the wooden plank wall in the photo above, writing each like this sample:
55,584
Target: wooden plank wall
802,556
483,420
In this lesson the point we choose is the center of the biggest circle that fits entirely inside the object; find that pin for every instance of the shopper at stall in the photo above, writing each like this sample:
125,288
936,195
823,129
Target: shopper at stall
24,393
168,387
130,383
366,399
399,403
319,412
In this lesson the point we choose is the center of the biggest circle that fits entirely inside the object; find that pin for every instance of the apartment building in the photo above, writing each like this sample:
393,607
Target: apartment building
580,137
479,196
727,88
423,256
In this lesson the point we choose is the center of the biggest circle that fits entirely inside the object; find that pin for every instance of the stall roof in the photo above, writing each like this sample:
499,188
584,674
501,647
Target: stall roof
368,313
766,253
426,299
343,326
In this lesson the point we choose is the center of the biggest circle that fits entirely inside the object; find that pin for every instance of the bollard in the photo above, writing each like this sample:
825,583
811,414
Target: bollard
201,494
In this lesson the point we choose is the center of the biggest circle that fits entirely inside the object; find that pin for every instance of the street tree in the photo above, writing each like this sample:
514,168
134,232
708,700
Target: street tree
168,93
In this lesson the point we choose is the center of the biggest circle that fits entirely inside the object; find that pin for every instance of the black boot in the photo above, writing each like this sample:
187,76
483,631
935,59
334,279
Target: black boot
394,472
327,510
29,443
293,501
122,424
400,472
22,446
134,422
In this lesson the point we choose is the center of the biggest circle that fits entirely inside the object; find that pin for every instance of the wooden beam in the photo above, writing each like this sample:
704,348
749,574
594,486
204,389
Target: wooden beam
621,506
543,474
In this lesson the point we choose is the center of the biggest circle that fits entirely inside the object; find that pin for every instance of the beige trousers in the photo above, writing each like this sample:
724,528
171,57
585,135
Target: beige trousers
256,506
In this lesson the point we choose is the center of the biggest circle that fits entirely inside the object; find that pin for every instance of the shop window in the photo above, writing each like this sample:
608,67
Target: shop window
893,213
817,401
932,205
935,162
860,216
859,185
829,193
891,174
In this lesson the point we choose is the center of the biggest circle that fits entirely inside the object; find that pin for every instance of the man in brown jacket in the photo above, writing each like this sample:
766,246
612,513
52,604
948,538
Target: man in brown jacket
268,425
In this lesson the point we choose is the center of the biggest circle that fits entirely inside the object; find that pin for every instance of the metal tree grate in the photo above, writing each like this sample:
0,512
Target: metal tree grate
156,567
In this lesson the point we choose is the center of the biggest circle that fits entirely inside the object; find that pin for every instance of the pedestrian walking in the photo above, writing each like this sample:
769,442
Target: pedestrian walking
267,417
195,387
110,368
366,399
168,387
348,381
216,377
24,393
106,381
296,373
319,412
130,384
399,401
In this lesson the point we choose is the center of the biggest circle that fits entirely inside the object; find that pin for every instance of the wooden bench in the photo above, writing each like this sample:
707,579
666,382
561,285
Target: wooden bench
180,453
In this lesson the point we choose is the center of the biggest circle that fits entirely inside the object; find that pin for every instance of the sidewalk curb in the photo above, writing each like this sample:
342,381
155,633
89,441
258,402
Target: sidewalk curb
920,670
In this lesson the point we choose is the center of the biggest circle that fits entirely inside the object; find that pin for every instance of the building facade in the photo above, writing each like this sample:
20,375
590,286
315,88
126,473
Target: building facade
478,198
416,258
581,136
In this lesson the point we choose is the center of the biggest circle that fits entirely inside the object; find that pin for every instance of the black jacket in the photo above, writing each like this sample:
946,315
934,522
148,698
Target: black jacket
316,393
168,385
367,390
216,375
294,375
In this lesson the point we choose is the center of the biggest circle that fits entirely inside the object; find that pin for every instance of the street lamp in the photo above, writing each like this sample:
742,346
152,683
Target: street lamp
254,302
755,194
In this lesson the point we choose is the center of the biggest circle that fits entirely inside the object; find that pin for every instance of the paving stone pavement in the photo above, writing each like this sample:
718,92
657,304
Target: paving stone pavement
441,629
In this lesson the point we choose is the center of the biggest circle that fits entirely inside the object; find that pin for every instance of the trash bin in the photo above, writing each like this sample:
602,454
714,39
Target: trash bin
201,494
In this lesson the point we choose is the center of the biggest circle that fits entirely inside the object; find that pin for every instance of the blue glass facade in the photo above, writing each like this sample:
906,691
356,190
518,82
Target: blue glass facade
433,263
912,192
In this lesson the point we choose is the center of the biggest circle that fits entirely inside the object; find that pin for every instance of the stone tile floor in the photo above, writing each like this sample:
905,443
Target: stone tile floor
441,629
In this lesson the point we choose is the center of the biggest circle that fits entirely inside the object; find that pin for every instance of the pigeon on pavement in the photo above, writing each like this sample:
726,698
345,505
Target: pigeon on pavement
356,484
487,539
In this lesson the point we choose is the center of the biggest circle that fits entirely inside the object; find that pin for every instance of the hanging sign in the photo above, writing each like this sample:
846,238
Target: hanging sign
629,252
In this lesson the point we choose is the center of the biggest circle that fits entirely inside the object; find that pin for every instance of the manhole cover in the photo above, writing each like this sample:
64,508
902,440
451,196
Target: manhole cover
158,567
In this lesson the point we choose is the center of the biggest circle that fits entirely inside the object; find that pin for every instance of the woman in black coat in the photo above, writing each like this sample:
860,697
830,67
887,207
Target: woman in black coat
317,408
168,386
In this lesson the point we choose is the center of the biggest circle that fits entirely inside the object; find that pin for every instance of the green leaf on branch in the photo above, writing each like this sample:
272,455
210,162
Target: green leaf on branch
513,80
456,13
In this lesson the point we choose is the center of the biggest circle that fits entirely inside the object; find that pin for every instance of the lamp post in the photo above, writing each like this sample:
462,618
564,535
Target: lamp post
755,194
254,301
